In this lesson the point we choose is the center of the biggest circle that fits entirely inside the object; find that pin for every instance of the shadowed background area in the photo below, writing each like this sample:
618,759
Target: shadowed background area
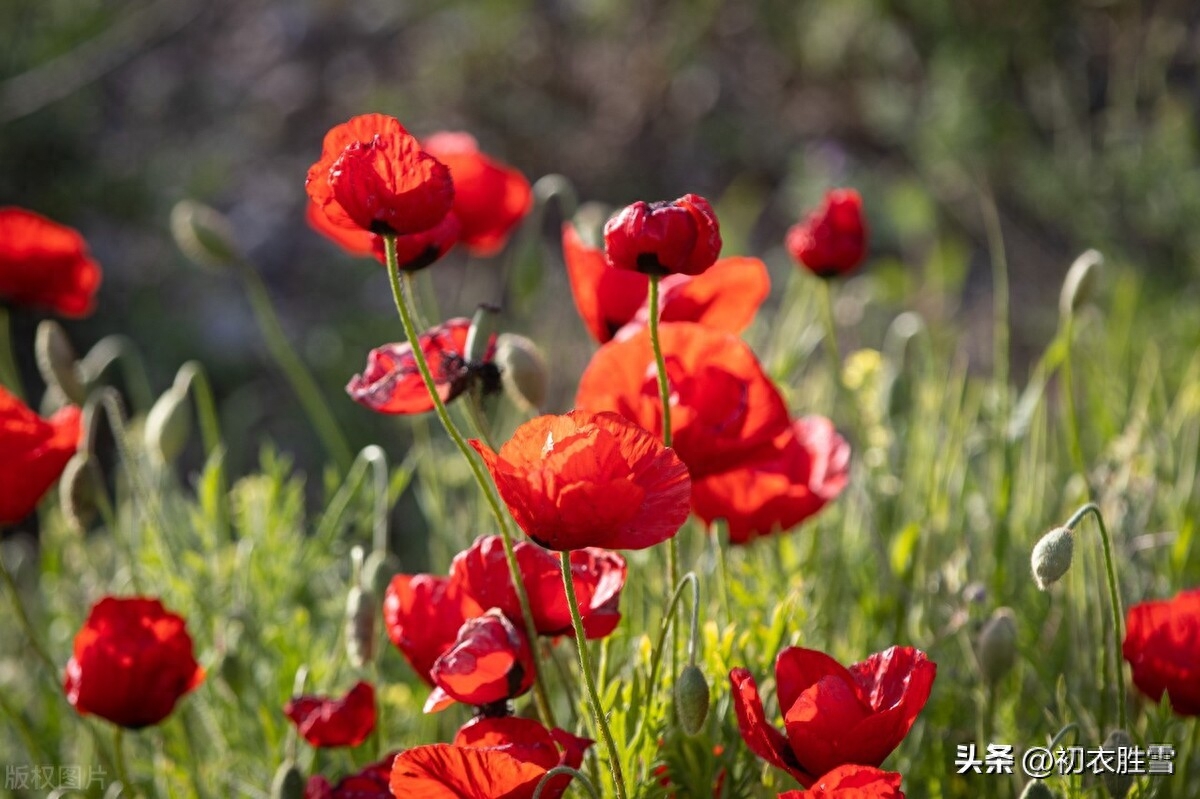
1080,118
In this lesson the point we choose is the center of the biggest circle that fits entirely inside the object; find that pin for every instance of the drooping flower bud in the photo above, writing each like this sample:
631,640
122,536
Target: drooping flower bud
998,645
1036,789
288,782
523,371
204,235
168,425
691,699
378,570
77,491
57,361
1117,782
360,626
1080,282
1052,556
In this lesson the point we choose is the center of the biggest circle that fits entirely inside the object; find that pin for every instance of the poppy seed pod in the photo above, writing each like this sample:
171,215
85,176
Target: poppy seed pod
691,699
523,371
360,626
288,782
168,425
57,362
204,235
998,645
1052,556
1118,782
1036,789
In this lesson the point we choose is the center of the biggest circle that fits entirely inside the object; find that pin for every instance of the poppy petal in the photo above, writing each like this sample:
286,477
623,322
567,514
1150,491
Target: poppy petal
757,731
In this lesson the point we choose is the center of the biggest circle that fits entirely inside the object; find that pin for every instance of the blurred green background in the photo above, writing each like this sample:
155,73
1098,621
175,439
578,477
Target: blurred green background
1079,117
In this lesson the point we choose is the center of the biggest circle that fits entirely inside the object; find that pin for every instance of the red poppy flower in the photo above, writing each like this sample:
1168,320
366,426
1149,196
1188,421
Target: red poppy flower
132,661
834,715
423,614
726,297
392,383
832,240
1162,645
414,251
491,758
607,298
374,176
783,484
370,783
35,451
723,407
490,662
852,782
678,237
328,722
590,479
45,264
490,197
598,574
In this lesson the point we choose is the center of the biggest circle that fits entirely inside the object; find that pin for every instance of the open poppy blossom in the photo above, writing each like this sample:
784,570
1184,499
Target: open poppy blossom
490,197
1162,646
833,715
392,383
372,782
590,479
788,481
328,722
132,661
662,238
36,451
607,298
489,663
491,758
852,782
413,252
374,176
598,575
723,407
45,265
831,240
422,614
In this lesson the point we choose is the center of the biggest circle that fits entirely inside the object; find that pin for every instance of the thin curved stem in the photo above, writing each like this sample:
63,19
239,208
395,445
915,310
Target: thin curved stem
210,431
585,669
481,477
559,770
1114,597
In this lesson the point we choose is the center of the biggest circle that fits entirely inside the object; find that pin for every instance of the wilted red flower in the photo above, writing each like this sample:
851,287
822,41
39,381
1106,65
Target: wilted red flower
723,407
783,484
392,383
373,175
661,238
370,783
413,252
491,758
132,661
831,240
422,614
1162,645
852,782
590,479
834,715
490,662
327,722
45,264
490,197
607,298
598,574
35,451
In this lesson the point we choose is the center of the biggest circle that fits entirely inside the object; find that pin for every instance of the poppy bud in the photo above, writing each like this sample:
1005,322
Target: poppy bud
168,425
1052,556
378,570
523,370
1120,781
204,235
998,645
1080,283
691,699
1036,789
76,492
360,626
288,782
56,361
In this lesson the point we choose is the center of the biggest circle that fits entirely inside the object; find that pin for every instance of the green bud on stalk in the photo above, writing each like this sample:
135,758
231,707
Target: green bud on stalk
360,626
57,361
204,235
288,782
1052,556
77,491
168,425
1118,783
691,699
998,645
1036,789
523,371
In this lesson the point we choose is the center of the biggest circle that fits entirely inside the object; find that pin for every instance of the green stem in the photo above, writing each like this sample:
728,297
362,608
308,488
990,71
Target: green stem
1000,298
664,397
294,369
23,619
1068,398
559,770
10,375
119,349
1114,597
656,654
119,756
832,350
477,469
210,432
585,669
714,534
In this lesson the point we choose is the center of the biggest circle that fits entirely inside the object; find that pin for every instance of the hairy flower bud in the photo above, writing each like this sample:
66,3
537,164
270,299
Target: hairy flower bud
523,371
1118,782
691,699
360,626
204,235
77,491
57,362
998,645
1036,789
168,425
288,782
1052,556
